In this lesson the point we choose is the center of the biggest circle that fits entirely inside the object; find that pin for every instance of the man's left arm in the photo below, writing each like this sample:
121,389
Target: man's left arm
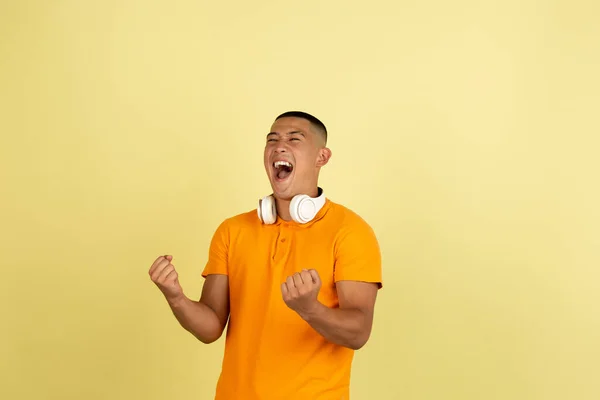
350,324
358,279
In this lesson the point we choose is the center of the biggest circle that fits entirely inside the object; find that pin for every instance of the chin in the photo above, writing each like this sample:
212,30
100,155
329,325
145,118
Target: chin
282,194
284,197
282,191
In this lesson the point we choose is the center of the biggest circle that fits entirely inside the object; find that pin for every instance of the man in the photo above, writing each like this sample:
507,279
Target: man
297,278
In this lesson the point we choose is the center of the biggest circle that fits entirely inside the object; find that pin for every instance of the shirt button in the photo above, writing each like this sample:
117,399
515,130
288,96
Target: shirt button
283,240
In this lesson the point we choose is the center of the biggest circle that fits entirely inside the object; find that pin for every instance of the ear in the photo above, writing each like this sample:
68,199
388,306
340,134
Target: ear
324,156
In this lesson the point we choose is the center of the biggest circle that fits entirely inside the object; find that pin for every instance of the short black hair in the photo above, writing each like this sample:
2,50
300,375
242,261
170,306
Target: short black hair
311,118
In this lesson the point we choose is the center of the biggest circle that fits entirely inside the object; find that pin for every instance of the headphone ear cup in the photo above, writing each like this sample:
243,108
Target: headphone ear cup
266,210
258,210
303,209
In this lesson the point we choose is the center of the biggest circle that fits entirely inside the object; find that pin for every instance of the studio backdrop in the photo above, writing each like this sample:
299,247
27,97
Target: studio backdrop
466,133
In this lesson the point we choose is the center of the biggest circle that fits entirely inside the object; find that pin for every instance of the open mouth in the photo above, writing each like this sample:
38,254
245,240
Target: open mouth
283,169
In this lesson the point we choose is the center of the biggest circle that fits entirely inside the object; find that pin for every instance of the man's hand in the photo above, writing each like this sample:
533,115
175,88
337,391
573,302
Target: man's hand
300,291
206,318
163,274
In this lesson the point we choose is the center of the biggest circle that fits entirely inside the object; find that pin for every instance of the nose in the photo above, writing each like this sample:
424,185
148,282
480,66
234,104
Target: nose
280,149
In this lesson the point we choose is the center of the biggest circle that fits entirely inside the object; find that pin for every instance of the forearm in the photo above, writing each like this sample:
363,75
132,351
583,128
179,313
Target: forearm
345,327
197,318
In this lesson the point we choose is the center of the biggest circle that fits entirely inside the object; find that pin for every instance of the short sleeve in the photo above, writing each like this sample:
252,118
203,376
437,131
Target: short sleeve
358,255
218,252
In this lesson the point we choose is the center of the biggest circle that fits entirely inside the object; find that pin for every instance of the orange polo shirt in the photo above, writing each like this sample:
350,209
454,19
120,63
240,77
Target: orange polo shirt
271,353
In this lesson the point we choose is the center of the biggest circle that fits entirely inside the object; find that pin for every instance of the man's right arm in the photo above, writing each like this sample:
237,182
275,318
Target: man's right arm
205,319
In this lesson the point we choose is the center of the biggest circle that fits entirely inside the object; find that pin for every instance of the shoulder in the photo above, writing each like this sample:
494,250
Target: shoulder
347,219
243,219
230,228
243,223
238,222
352,231
356,248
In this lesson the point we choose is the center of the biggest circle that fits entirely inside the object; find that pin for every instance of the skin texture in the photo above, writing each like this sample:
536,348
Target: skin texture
350,324
296,141
206,318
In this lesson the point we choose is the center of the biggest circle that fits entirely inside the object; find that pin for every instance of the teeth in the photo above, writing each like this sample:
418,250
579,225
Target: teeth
281,163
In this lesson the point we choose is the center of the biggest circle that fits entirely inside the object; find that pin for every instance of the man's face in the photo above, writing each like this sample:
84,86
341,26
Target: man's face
294,152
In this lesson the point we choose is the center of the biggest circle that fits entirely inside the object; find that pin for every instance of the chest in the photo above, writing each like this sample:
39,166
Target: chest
261,260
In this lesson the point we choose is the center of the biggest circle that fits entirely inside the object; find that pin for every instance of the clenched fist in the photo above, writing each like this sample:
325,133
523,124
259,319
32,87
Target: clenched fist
300,291
163,274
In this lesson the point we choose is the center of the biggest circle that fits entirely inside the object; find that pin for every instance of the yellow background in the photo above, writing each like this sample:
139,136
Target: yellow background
465,132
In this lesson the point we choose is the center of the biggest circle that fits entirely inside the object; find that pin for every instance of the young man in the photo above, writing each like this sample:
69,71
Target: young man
297,279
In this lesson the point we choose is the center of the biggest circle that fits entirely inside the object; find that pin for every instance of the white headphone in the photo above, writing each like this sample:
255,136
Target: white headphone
303,208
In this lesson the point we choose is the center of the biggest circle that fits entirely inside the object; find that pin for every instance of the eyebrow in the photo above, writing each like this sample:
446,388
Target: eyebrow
289,133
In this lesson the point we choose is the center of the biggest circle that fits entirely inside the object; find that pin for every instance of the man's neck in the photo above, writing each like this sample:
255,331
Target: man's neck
283,209
283,206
